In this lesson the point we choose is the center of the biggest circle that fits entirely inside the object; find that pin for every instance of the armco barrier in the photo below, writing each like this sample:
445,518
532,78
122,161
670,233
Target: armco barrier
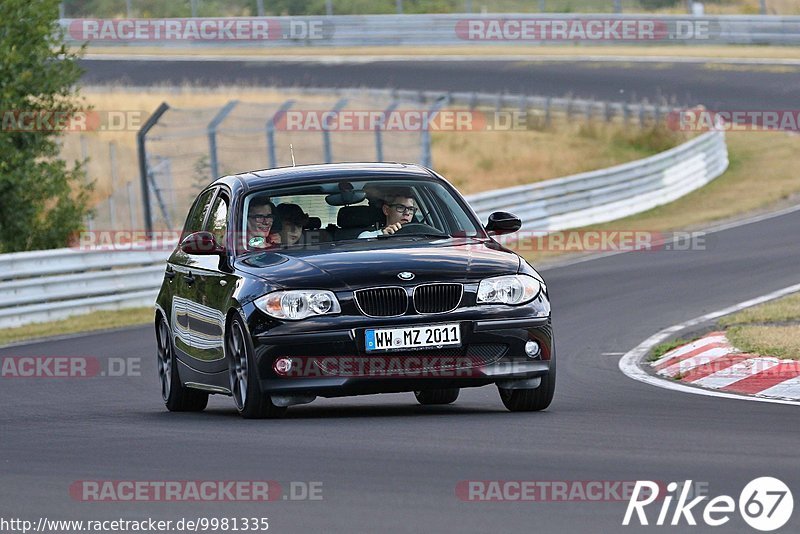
53,284
448,30
608,194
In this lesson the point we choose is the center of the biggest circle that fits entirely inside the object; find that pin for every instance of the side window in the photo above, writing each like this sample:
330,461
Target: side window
218,222
194,223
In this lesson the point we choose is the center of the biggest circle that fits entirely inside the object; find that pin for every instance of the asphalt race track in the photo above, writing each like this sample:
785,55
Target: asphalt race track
389,465
717,87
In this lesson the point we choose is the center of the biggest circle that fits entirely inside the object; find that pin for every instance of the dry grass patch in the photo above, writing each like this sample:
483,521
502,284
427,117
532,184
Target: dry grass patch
101,320
777,341
778,311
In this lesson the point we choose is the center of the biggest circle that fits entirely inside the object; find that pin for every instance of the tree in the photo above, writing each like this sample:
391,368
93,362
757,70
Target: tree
43,202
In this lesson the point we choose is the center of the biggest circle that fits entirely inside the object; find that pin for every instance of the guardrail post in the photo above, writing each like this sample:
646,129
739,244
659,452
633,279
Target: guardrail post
141,148
379,128
426,133
326,134
271,155
212,136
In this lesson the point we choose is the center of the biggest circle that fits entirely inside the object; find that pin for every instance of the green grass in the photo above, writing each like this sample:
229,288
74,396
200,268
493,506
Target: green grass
101,320
660,350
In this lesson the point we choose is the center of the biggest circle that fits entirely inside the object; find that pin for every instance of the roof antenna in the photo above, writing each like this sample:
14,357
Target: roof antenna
291,149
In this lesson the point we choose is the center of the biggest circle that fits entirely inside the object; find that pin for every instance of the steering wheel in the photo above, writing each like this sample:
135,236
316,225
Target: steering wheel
418,228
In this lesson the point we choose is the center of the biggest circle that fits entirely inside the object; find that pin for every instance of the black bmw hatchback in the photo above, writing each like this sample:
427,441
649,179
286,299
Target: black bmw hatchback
348,279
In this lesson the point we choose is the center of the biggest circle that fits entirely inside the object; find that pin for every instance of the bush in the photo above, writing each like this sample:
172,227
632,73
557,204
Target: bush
42,201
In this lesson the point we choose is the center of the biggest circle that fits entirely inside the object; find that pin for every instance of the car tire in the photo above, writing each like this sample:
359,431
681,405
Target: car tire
531,400
437,396
177,398
250,401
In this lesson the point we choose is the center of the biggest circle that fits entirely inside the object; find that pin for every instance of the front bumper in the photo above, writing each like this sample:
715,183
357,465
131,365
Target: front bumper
492,351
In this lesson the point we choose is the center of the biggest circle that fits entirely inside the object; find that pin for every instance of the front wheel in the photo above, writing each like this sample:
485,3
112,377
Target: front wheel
250,401
437,396
531,400
177,398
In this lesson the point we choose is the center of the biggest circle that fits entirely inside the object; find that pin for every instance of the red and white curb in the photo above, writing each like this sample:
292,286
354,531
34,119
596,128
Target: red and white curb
712,362
743,372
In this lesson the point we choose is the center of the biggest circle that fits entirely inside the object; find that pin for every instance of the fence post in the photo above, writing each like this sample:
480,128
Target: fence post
378,129
260,8
271,154
326,134
542,6
112,158
212,136
426,133
141,148
617,6
132,211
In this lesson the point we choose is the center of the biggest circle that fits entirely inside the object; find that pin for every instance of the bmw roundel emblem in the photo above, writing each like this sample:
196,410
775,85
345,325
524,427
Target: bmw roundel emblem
405,275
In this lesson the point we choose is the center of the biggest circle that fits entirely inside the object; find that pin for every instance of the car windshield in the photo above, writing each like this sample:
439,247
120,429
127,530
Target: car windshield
341,210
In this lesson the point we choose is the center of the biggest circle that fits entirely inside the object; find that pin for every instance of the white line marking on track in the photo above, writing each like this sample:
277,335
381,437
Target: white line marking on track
629,364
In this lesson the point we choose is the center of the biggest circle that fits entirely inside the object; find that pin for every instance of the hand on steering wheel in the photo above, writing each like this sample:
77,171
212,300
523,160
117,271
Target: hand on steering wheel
392,228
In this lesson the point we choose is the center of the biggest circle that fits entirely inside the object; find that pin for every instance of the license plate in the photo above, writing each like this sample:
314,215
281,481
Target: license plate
443,335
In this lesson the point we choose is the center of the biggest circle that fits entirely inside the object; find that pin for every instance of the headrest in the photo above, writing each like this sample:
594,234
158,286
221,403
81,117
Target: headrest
357,216
313,223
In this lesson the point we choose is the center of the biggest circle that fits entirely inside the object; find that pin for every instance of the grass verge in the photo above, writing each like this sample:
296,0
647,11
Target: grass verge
100,320
769,329
762,174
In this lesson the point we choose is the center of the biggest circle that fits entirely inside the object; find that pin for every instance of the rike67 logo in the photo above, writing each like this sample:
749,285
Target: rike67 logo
766,504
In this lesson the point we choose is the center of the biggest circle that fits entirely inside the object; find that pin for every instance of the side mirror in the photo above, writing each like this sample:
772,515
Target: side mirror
202,244
501,223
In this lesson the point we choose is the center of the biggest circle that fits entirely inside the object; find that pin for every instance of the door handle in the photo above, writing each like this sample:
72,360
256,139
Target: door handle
189,278
169,274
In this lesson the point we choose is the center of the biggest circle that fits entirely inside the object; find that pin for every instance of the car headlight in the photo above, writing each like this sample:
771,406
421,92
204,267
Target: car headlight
298,304
511,289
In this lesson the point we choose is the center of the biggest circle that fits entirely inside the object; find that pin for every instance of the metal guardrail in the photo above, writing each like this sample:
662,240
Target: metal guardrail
449,30
53,284
608,194
47,285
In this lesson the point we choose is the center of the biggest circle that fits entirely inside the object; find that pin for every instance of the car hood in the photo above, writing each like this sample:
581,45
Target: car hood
350,266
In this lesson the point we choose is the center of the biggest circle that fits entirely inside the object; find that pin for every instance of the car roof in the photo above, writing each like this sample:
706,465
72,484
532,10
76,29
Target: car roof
311,173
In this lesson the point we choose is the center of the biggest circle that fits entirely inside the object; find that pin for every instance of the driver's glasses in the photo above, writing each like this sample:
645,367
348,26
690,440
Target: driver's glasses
260,219
402,209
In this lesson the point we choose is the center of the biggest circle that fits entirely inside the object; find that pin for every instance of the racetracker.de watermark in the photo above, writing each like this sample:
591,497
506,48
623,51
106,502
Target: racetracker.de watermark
585,241
72,121
558,490
194,491
739,120
69,367
585,29
243,29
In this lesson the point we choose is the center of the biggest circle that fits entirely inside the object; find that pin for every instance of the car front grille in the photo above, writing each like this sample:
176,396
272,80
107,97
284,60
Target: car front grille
437,298
382,301
413,363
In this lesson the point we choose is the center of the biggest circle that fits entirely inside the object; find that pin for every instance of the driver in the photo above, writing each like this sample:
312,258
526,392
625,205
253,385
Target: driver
399,208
